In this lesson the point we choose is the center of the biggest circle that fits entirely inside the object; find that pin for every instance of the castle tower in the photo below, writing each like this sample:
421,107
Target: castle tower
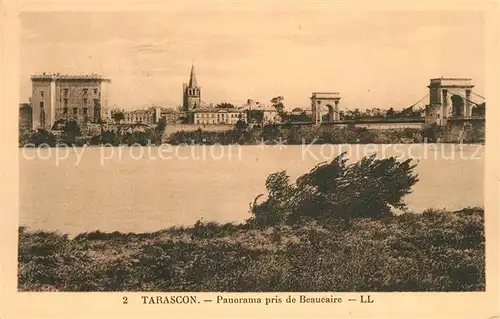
191,93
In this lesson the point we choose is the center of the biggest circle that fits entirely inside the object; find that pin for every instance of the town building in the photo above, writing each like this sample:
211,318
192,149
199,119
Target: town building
169,115
82,98
147,116
260,113
25,117
211,115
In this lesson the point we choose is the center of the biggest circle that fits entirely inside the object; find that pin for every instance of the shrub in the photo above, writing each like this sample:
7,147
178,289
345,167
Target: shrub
368,188
42,137
432,133
438,251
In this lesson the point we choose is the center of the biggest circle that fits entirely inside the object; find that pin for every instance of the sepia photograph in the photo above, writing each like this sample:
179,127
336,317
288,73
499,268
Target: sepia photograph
271,147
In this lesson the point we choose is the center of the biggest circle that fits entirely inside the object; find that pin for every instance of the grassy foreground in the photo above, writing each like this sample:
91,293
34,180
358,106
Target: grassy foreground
433,251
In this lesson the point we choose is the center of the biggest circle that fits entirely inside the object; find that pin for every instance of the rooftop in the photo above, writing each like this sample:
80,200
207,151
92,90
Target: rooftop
326,95
465,82
59,76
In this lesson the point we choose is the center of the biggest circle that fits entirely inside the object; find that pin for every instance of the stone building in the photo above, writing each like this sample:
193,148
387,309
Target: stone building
169,115
25,117
147,116
141,116
269,113
211,115
82,98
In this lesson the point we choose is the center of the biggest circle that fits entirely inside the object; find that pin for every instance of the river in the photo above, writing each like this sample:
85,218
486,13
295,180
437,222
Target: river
143,189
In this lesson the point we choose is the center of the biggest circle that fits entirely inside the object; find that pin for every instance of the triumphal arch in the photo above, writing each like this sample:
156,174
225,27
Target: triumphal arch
325,103
449,98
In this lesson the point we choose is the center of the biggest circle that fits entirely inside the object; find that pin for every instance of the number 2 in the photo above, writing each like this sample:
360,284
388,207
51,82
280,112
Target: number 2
125,300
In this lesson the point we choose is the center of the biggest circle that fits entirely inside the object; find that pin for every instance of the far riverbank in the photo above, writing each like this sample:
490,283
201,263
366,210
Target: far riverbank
268,134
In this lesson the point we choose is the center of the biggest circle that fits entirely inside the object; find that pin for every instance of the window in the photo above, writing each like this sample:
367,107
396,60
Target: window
66,93
42,115
41,94
65,110
42,104
85,111
65,102
95,91
85,92
75,111
85,102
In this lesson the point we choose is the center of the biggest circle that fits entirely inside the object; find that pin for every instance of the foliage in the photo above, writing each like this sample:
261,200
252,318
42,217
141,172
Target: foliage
118,116
434,251
368,188
325,134
302,117
256,116
41,137
277,103
432,133
376,113
241,125
70,131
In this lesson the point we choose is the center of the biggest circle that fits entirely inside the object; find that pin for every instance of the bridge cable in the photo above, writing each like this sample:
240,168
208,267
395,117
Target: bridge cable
478,95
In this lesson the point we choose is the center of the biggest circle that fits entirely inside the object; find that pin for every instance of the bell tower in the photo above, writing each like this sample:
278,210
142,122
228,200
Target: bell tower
191,93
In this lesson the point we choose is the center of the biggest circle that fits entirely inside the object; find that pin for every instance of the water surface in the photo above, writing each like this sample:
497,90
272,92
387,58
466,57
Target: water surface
118,189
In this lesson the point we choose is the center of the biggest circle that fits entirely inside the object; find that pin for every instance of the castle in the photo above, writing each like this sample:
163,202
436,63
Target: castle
81,98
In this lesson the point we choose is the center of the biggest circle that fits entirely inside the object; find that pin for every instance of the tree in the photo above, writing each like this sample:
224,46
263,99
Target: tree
161,125
42,137
353,115
241,125
432,133
277,103
118,116
390,113
255,116
70,130
368,188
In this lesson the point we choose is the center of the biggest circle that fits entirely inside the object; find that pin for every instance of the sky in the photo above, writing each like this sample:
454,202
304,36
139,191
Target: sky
372,58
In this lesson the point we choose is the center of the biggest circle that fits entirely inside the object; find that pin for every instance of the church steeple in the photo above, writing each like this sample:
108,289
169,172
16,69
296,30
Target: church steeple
192,93
192,78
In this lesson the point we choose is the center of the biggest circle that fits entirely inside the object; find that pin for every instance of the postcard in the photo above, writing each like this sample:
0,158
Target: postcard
241,159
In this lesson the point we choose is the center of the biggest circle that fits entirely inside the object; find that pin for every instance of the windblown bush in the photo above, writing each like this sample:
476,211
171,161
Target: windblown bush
368,188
